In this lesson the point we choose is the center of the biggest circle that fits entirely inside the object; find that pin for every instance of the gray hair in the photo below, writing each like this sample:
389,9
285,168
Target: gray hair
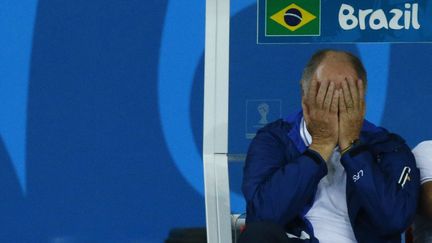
319,56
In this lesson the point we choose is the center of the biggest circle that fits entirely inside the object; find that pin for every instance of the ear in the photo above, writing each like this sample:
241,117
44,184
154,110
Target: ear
303,93
305,110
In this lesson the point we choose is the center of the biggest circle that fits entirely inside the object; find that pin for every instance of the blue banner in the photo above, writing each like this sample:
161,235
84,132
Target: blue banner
315,21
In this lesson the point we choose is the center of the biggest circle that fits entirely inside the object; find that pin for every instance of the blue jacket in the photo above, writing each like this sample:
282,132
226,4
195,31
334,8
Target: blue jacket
281,177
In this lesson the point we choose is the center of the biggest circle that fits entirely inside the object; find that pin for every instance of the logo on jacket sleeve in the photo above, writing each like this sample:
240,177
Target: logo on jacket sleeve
289,18
357,176
404,177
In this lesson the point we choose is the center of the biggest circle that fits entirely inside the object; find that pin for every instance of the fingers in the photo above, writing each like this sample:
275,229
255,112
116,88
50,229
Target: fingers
352,98
360,87
342,106
312,92
354,92
348,102
335,102
322,91
329,97
361,90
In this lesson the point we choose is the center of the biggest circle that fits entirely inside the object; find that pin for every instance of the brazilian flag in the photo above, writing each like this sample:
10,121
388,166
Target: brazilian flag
293,17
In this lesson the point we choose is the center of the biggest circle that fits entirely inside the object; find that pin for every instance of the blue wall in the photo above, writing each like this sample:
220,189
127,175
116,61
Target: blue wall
96,167
101,112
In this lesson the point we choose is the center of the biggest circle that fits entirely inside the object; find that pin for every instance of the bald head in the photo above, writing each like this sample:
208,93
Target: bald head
332,65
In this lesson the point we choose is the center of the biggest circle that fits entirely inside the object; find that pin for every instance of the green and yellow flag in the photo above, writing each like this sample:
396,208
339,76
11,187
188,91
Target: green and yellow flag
293,17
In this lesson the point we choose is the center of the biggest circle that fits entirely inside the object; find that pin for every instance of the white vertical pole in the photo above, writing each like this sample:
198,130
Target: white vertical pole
215,141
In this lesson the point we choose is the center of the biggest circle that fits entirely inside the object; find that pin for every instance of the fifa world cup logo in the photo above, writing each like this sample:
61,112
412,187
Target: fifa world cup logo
263,110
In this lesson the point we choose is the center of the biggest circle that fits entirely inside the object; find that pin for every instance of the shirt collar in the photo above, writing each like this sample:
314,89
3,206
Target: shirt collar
304,133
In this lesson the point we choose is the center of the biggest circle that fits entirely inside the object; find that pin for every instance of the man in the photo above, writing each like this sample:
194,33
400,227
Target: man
326,174
423,223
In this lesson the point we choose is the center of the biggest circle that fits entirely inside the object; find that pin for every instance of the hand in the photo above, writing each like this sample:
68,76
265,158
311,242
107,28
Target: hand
351,112
320,111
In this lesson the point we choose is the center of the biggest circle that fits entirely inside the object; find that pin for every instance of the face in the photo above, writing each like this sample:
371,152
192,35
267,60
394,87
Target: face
336,68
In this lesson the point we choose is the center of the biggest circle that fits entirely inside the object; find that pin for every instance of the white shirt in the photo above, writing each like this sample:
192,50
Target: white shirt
423,155
329,212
